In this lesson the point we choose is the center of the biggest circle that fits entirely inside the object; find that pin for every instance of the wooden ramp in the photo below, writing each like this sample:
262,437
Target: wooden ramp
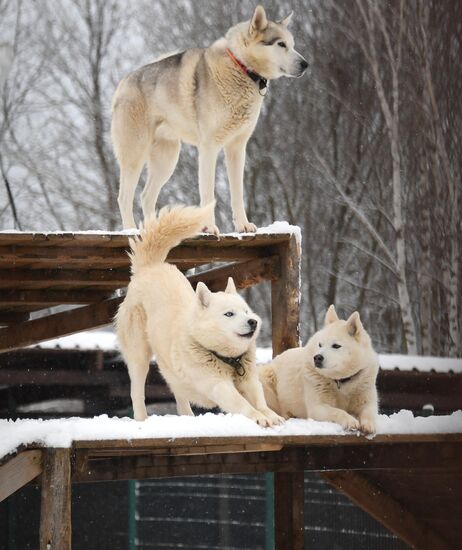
410,483
83,270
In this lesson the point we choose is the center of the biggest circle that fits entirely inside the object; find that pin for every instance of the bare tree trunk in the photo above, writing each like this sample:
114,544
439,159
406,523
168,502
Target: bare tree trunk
451,274
391,114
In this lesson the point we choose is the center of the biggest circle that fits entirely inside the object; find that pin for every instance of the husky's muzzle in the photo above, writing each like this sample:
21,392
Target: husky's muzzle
253,324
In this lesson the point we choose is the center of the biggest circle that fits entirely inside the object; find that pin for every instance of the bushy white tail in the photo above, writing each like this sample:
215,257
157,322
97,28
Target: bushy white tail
159,235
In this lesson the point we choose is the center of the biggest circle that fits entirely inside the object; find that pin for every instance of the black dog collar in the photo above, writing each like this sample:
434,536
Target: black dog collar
234,362
341,381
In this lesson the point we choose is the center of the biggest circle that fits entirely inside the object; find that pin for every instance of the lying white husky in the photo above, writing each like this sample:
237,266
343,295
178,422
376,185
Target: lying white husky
204,342
332,378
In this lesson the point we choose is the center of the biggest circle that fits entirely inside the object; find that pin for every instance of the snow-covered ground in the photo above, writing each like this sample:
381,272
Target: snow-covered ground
62,432
106,340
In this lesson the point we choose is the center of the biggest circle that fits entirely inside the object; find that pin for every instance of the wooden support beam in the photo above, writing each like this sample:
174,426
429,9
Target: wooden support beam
55,510
285,299
386,510
18,471
289,527
59,324
245,274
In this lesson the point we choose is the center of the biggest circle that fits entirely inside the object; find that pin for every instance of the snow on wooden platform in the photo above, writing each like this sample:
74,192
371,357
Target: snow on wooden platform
64,432
277,227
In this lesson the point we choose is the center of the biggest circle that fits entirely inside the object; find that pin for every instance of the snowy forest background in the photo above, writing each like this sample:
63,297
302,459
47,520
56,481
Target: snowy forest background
364,152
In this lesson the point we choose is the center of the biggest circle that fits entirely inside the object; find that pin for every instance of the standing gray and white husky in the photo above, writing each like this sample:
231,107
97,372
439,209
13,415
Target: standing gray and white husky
208,97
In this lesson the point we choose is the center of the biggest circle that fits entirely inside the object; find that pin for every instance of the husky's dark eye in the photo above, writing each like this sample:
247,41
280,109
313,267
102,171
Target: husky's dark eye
320,345
282,44
229,314
336,346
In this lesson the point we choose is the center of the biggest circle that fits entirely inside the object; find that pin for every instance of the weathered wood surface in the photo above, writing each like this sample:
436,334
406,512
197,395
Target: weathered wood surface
289,526
59,324
285,299
395,478
42,270
387,510
311,453
17,472
55,509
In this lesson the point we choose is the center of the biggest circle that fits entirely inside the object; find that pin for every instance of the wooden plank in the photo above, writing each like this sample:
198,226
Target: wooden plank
115,239
55,510
289,527
18,254
59,324
202,254
141,463
347,440
385,509
118,258
50,297
285,299
18,471
46,377
13,317
48,278
181,450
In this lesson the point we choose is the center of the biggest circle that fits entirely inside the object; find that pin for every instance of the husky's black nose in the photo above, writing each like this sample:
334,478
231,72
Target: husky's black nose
303,64
252,323
318,361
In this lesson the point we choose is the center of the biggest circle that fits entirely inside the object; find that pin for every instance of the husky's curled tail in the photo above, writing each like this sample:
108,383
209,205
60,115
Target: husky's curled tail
159,235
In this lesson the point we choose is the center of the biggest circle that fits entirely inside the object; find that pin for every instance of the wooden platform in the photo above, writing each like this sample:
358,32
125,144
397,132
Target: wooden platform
410,483
39,270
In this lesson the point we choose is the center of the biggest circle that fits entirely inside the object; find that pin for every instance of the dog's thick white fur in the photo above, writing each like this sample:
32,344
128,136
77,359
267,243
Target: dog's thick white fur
202,97
163,316
332,378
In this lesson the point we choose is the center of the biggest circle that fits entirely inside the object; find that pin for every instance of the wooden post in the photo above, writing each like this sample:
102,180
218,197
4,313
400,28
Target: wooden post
55,511
285,299
288,511
285,312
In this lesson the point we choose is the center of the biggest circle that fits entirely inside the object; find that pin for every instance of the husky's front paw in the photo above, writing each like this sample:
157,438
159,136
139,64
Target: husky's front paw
367,425
261,419
349,422
275,419
245,227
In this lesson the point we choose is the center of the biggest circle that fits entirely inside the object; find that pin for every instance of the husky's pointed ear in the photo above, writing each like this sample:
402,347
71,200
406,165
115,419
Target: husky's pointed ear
203,294
230,287
354,325
259,22
331,315
286,21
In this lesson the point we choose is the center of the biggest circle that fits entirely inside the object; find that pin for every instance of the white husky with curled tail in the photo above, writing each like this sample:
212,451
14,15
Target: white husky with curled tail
204,342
